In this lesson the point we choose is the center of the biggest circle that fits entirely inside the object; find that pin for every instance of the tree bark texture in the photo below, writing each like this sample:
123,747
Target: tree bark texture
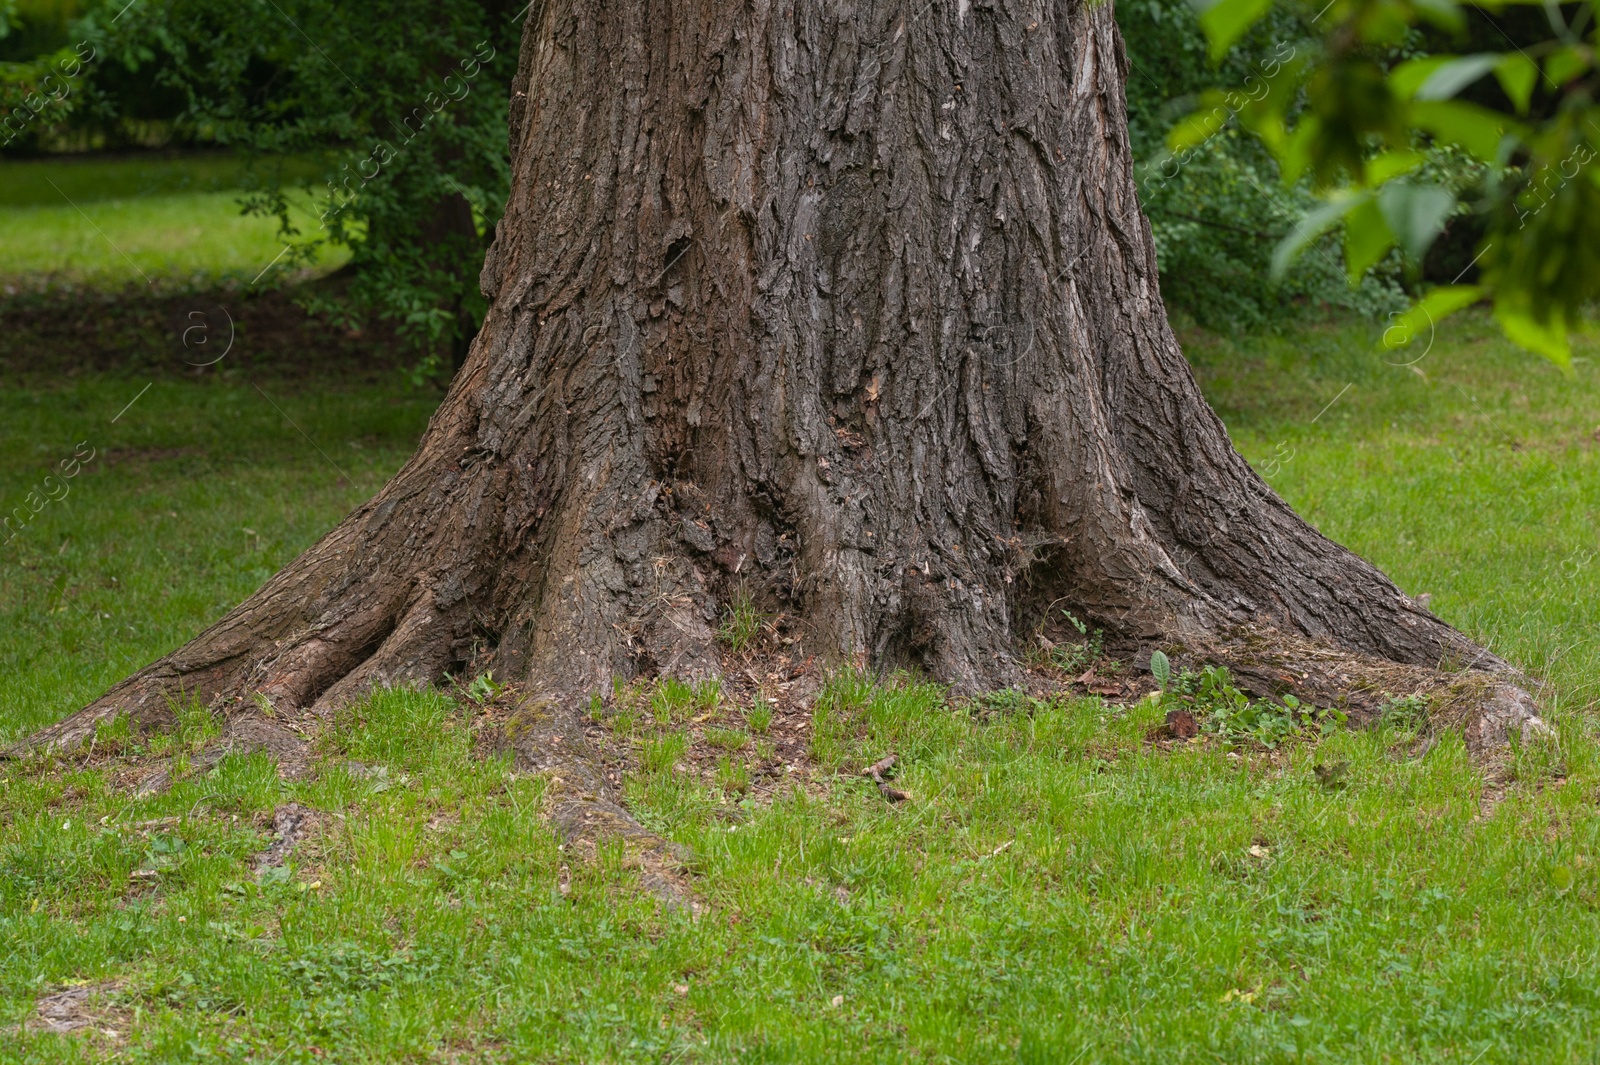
849,305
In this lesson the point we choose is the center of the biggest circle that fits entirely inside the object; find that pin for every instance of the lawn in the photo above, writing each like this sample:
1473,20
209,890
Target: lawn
137,222
1056,888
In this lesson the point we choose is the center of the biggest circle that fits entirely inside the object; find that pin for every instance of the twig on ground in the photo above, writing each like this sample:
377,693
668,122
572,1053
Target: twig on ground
879,772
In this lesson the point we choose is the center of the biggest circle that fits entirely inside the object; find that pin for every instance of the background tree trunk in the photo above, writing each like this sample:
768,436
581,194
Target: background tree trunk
849,305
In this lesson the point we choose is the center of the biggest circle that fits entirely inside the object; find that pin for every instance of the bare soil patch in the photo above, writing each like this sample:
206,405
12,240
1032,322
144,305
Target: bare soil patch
90,1009
65,332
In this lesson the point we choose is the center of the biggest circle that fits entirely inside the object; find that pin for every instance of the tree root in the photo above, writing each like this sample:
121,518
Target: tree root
1487,704
247,730
547,737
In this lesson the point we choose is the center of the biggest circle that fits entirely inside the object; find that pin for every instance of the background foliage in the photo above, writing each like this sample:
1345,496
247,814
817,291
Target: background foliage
401,114
1385,86
1219,208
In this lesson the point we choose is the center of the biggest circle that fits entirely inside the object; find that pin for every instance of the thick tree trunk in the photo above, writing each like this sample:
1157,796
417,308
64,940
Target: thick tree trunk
852,306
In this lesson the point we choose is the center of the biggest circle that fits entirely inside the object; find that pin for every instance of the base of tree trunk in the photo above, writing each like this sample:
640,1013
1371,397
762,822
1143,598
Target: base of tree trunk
1487,705
849,312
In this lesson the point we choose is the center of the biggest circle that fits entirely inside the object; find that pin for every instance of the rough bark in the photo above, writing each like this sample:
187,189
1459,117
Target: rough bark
850,305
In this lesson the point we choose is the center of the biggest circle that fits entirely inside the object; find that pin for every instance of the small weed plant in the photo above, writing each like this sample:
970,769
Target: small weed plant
661,754
741,622
1073,657
1224,711
671,698
482,690
759,716
732,775
1409,712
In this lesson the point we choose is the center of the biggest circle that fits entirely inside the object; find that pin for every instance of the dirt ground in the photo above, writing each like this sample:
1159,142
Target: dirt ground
53,332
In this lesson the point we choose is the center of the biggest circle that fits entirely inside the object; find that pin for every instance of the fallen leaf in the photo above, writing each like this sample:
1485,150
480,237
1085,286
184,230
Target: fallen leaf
1183,724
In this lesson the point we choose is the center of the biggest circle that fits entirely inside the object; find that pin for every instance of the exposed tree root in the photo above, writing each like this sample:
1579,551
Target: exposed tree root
547,737
1487,705
244,732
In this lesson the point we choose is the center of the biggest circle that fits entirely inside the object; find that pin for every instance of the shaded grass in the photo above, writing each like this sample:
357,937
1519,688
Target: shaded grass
92,178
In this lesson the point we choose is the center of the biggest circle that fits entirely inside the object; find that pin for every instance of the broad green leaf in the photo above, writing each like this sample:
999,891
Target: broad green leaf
1160,668
1200,125
1451,77
1382,25
1408,77
1312,226
1477,129
1225,21
1294,150
1415,213
1445,14
1547,338
1431,309
1271,129
1564,65
1517,73
1367,238
1390,165
1562,879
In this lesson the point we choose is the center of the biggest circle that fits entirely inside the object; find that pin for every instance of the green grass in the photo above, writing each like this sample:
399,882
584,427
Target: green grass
194,496
1055,889
1473,476
137,221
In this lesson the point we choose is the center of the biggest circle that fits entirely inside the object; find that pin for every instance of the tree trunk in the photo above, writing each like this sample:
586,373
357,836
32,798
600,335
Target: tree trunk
851,307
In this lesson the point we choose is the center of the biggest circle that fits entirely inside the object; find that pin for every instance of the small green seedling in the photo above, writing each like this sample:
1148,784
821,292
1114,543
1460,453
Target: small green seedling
483,689
759,716
1161,669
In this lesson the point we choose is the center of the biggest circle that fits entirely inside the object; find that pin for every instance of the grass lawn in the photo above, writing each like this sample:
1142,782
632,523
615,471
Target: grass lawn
136,221
1056,889
1473,476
